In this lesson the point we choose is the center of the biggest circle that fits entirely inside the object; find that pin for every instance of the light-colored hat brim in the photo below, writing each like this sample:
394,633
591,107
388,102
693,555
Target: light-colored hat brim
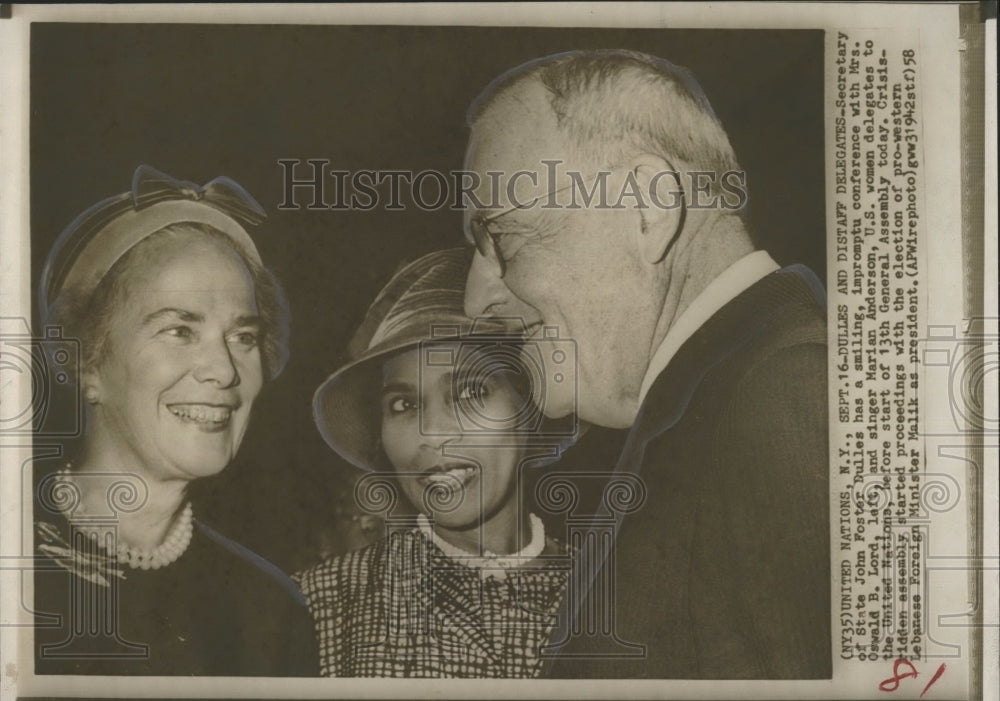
346,407
423,302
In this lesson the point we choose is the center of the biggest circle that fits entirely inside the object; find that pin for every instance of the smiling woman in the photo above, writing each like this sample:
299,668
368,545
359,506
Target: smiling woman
442,407
179,325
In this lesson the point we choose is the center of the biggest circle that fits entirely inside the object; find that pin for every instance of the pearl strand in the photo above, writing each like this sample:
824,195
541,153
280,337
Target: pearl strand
173,546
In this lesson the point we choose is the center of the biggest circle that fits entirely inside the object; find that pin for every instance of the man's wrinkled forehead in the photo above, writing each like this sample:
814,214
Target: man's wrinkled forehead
517,133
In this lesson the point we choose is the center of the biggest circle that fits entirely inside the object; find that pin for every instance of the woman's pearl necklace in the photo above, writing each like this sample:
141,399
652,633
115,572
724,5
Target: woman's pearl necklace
173,546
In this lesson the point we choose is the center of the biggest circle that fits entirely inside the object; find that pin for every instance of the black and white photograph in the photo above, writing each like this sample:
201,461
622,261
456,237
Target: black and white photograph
439,346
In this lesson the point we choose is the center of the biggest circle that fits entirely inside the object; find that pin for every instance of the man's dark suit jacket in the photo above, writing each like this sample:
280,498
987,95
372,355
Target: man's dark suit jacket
724,571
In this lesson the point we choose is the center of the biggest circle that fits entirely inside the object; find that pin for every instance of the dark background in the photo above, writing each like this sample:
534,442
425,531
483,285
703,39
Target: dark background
198,101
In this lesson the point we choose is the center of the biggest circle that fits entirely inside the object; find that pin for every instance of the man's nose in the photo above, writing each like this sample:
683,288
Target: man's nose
485,292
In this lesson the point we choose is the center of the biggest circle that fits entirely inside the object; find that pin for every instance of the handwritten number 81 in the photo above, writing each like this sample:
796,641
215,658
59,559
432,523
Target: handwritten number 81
892,683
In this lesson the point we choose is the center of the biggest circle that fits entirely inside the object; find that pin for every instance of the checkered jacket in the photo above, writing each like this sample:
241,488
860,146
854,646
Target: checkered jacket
402,608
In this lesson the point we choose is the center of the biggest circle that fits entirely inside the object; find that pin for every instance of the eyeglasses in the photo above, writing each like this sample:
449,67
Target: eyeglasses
487,243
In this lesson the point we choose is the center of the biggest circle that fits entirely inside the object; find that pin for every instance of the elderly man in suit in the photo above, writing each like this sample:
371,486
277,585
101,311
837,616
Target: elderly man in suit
608,207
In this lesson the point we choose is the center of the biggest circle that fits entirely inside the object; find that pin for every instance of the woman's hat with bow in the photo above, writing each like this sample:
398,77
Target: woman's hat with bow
88,248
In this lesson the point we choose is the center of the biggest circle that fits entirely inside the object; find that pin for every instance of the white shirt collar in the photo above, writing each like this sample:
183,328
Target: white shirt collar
733,281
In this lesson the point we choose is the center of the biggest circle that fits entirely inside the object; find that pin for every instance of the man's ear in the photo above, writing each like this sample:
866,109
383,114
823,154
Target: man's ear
664,208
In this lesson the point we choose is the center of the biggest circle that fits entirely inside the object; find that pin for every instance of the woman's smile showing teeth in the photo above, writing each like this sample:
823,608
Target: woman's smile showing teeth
448,472
208,415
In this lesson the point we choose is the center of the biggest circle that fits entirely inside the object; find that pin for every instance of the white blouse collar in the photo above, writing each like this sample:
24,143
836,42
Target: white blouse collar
489,562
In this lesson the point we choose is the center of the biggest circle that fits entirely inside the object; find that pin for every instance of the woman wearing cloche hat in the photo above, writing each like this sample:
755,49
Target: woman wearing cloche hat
470,587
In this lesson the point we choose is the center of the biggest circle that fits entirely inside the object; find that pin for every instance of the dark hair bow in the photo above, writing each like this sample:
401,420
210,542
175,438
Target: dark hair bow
150,186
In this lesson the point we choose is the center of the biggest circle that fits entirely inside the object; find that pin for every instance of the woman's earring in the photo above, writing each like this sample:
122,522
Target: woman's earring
90,394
